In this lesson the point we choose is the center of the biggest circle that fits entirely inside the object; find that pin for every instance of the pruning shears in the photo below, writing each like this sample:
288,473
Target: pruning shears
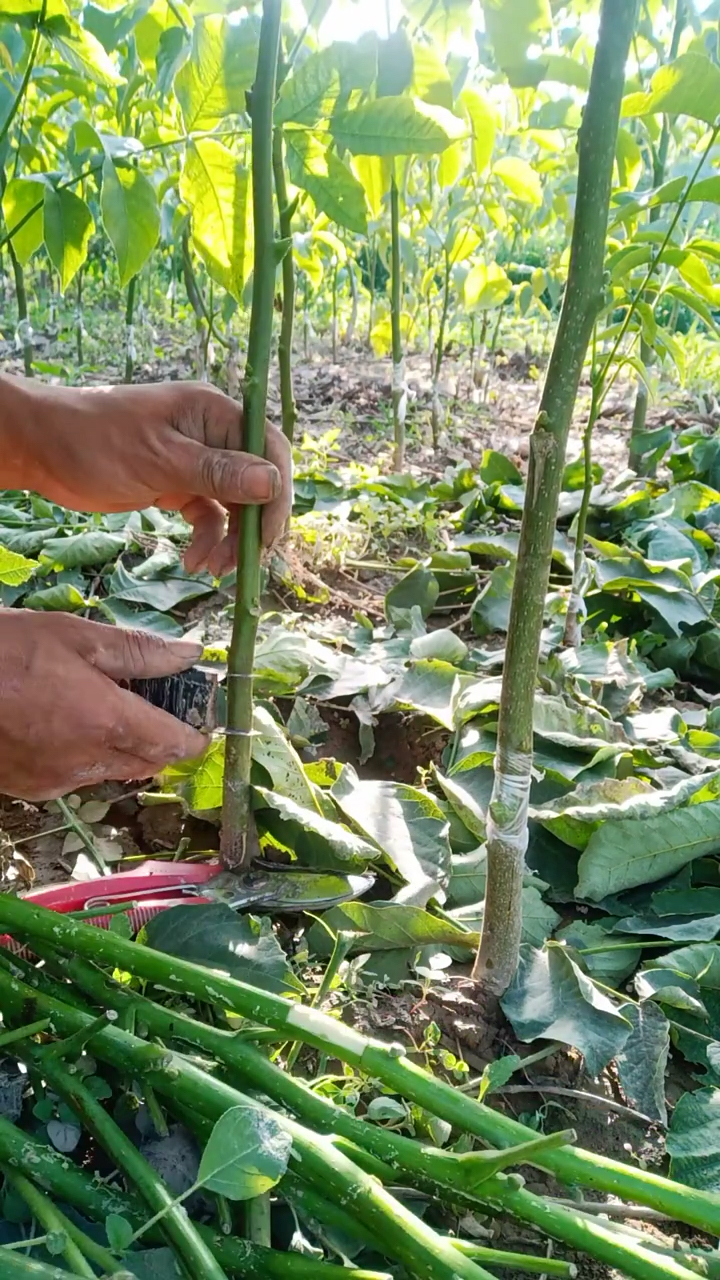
154,886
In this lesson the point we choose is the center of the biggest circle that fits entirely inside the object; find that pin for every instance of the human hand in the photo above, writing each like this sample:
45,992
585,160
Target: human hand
174,445
65,723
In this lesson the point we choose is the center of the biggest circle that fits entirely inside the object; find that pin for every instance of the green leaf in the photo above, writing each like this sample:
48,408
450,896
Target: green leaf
15,569
574,817
214,935
491,609
630,852
693,1140
396,127
216,188
419,589
643,1058
469,794
20,196
278,757
198,783
551,998
246,1154
520,179
310,93
334,189
689,86
486,286
497,1073
130,216
80,50
219,73
406,823
161,593
67,227
610,966
430,687
389,926
63,596
96,547
119,1232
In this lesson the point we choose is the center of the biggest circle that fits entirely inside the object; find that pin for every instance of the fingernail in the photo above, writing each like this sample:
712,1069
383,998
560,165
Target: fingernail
189,649
261,481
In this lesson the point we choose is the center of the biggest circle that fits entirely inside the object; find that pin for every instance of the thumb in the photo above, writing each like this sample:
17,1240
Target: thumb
227,475
132,655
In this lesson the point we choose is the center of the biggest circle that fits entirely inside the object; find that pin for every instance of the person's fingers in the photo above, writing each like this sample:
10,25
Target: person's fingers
276,515
208,520
225,475
149,734
126,655
225,556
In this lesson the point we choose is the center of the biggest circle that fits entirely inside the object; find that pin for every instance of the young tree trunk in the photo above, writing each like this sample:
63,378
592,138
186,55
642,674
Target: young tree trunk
285,212
507,815
372,265
437,412
334,313
79,319
130,352
24,328
352,322
235,841
399,388
637,460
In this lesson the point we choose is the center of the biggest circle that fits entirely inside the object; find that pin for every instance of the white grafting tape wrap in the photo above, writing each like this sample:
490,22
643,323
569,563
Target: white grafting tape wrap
508,809
399,387
130,342
576,604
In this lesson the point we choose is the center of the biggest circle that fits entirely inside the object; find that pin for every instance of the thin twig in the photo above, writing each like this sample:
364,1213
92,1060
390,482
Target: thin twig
581,1095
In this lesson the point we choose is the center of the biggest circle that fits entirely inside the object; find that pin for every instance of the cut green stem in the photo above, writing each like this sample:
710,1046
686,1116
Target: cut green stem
236,841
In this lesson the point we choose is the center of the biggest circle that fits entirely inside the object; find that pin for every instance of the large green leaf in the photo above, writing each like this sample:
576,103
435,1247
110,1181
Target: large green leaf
396,127
550,997
491,610
637,851
318,170
430,687
406,824
22,195
689,86
310,93
80,51
214,82
131,217
520,179
96,547
63,597
246,1154
67,227
164,592
216,188
693,1140
214,935
487,286
575,816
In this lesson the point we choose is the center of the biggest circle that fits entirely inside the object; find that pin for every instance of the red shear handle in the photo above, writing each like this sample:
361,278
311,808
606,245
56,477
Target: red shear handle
150,878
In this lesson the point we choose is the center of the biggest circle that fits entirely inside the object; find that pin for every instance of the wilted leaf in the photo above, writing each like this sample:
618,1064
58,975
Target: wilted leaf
643,1058
693,1140
406,824
550,997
